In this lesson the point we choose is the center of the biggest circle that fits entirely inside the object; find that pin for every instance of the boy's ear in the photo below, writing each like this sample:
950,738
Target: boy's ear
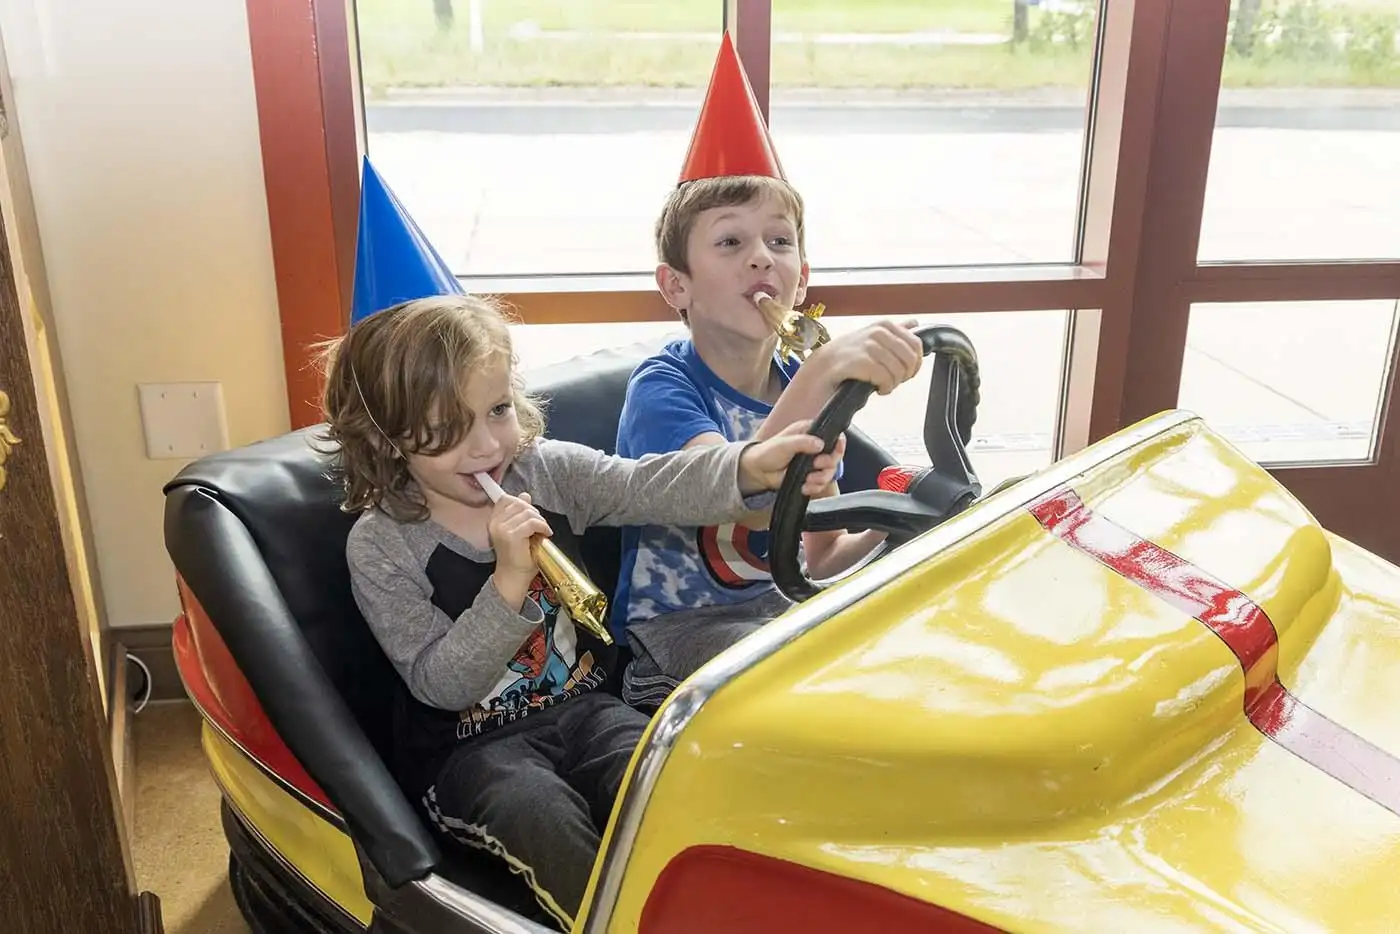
802,284
674,287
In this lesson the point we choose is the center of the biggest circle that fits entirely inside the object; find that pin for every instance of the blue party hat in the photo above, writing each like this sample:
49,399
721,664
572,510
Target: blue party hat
394,262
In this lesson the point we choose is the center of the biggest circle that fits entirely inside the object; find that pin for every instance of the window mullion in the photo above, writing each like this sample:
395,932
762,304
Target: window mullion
750,22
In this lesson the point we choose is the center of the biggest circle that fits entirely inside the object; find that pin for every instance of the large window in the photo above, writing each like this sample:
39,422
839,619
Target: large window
537,137
534,138
927,134
530,137
1209,189
1282,388
1307,136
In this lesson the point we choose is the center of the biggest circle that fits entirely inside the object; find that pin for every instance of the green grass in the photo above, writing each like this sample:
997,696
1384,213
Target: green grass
702,15
688,65
1240,73
891,15
402,47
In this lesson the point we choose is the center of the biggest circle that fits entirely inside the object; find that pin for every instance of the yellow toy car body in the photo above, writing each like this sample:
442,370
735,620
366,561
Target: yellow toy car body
1139,691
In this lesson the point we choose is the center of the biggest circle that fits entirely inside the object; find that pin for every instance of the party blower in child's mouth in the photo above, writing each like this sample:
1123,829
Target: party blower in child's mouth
799,332
586,604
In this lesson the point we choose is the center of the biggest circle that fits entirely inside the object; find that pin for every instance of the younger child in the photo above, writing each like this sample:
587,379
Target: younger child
732,228
499,729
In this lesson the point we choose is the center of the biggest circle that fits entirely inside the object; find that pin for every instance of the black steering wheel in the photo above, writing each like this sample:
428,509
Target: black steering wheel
949,487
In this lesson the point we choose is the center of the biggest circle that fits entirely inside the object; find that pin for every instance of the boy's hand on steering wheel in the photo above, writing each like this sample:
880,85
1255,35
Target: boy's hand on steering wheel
763,464
884,354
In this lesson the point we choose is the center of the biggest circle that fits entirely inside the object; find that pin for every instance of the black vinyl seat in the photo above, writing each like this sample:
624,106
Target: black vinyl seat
257,535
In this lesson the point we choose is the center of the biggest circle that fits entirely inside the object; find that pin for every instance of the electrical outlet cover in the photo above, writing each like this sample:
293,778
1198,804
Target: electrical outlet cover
183,420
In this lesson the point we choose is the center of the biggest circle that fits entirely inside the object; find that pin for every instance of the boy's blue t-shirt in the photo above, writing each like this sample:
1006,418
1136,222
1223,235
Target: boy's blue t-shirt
671,398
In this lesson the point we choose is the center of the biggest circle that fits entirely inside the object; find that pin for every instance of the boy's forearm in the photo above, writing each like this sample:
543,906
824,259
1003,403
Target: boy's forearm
831,553
810,389
756,519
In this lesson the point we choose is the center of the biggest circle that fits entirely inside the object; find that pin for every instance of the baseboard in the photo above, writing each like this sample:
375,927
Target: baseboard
125,681
151,644
120,709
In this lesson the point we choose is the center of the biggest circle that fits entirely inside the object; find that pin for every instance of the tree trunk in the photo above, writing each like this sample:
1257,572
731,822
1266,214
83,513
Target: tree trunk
1246,18
442,9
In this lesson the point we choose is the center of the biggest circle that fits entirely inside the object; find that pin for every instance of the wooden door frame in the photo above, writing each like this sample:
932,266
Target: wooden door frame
65,860
29,266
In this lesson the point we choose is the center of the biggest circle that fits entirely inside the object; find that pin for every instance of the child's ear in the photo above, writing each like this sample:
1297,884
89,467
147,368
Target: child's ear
674,286
802,284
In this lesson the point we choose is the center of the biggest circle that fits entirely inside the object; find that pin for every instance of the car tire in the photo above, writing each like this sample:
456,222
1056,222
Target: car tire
271,900
264,909
254,903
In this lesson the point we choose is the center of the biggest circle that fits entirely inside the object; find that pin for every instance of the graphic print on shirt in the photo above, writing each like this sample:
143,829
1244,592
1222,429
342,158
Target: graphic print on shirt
735,556
546,670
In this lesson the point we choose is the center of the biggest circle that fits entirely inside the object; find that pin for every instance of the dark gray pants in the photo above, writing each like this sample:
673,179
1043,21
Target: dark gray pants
538,792
669,648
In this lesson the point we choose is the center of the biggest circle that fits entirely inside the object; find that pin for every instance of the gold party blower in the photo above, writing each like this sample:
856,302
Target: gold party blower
799,332
586,604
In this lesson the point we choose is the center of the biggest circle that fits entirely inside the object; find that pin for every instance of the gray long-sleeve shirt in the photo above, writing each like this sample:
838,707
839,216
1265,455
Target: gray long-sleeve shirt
427,595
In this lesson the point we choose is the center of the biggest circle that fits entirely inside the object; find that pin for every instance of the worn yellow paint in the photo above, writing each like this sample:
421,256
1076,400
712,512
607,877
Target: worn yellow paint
321,852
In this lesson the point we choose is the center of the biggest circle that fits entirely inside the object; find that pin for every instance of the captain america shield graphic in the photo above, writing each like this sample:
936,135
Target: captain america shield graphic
734,555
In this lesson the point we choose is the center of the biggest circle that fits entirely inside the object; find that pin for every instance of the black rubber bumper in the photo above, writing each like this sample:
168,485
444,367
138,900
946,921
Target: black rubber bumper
273,898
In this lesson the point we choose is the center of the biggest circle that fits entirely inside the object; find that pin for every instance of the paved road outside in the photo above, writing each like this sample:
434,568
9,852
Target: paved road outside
508,184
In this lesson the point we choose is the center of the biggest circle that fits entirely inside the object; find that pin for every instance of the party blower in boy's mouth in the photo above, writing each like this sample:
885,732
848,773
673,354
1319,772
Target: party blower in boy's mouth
799,331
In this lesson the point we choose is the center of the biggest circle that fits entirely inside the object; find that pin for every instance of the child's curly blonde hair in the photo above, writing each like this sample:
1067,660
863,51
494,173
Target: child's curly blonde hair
395,385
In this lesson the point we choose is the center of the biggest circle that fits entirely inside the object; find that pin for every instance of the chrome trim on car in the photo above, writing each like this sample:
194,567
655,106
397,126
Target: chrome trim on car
319,809
473,908
683,705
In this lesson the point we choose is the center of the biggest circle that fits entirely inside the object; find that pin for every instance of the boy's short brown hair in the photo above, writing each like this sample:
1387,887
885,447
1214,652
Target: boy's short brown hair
689,199
394,386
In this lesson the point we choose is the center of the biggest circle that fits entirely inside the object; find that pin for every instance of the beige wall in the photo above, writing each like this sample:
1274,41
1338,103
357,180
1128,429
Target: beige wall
141,138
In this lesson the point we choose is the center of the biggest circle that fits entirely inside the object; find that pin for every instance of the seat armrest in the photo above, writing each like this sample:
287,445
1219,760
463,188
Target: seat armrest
218,559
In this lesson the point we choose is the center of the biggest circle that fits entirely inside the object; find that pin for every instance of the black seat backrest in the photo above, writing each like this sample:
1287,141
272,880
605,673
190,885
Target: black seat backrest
281,493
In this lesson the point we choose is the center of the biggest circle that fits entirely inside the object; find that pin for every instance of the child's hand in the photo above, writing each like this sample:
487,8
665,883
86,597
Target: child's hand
763,464
513,523
884,354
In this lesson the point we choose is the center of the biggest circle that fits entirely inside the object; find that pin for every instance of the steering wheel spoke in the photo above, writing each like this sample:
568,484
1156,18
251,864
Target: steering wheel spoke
895,514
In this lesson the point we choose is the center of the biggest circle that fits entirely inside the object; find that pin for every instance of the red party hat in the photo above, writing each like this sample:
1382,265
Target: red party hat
730,137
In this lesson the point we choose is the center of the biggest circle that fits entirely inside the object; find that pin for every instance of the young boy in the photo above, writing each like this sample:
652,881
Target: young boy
732,228
498,728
